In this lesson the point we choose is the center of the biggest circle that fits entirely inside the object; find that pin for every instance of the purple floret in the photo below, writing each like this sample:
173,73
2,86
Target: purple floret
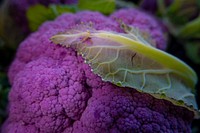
18,10
54,91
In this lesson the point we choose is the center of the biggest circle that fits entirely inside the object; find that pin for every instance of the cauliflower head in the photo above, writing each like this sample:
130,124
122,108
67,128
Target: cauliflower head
53,90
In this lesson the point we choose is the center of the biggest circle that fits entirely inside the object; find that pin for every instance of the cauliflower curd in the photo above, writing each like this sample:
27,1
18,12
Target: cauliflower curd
54,91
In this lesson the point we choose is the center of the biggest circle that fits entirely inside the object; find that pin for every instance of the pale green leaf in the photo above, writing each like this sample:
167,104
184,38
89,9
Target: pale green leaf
128,60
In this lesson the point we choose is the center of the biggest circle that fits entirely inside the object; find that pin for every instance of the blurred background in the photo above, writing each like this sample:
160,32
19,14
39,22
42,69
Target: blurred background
18,18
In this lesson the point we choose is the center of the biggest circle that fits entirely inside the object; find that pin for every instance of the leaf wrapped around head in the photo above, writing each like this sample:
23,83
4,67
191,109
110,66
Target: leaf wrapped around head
127,60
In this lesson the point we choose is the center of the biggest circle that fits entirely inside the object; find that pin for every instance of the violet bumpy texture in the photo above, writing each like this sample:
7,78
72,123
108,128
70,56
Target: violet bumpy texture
53,90
18,9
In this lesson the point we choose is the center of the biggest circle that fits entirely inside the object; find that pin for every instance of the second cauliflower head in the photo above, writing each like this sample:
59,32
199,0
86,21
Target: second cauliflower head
53,90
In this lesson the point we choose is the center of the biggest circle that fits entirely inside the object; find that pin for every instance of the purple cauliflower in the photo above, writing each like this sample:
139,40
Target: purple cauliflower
18,9
54,91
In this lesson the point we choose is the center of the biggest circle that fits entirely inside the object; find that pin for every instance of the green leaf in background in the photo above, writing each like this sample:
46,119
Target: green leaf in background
38,14
59,9
191,29
182,11
182,18
193,51
103,6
